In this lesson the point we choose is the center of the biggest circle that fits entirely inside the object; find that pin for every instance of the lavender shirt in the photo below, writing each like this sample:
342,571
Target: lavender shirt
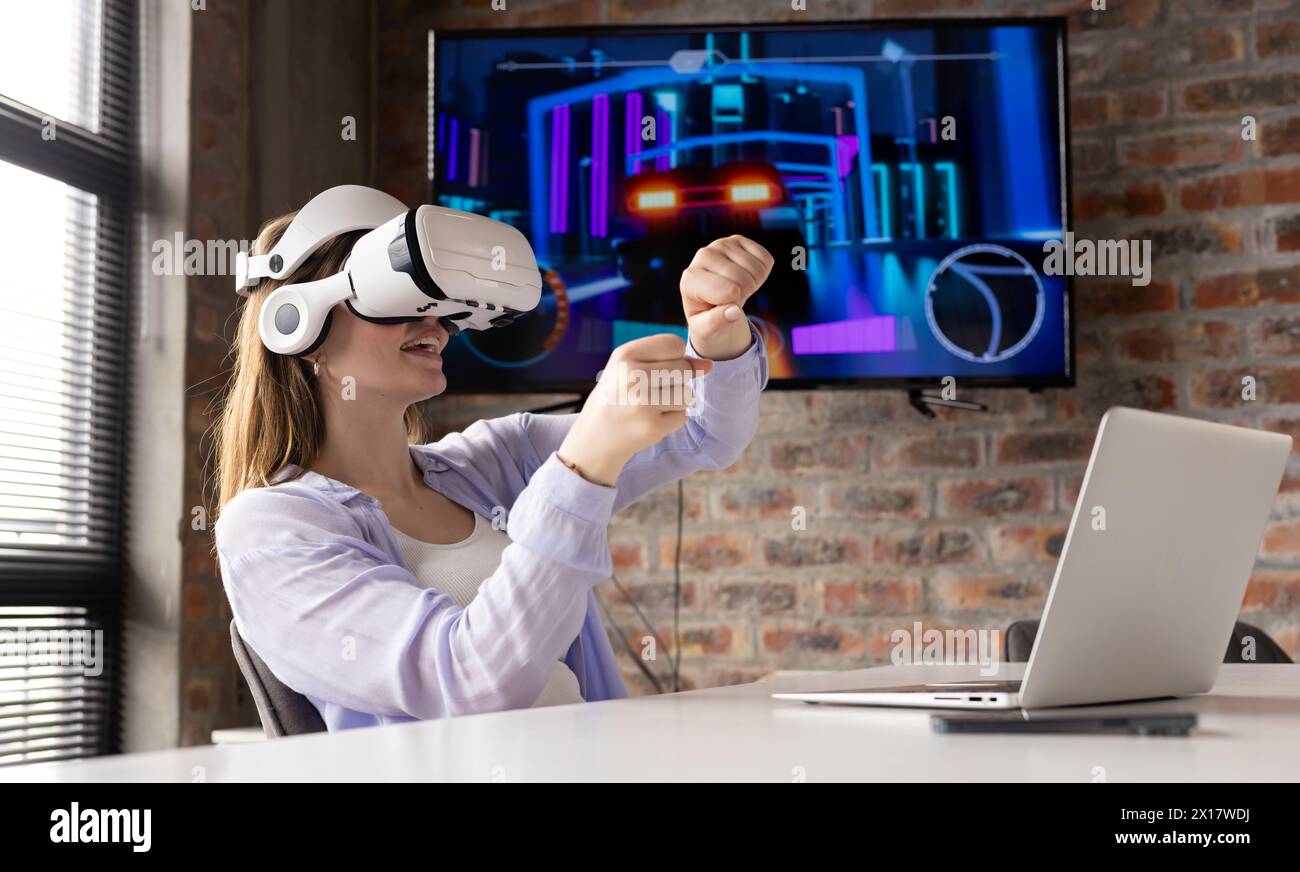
319,588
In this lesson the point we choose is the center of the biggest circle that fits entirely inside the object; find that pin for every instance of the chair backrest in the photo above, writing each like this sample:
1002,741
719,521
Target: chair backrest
284,712
1018,643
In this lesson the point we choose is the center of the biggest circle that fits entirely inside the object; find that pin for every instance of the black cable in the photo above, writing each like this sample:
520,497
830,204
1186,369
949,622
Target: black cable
627,646
645,621
677,592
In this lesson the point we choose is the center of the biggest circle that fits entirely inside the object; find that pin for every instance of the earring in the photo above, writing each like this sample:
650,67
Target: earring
315,367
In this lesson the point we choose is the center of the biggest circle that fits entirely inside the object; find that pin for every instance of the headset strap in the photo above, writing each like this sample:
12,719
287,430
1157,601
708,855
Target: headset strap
341,209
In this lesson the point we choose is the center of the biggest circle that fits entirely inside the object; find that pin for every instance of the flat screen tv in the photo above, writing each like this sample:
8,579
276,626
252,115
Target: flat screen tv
905,176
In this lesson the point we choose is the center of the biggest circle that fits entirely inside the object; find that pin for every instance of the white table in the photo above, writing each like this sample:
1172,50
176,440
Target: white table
1249,731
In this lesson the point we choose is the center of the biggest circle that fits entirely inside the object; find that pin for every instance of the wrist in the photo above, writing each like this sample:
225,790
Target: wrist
598,470
727,344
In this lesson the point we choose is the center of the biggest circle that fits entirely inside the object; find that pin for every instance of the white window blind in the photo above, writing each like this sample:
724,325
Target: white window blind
67,79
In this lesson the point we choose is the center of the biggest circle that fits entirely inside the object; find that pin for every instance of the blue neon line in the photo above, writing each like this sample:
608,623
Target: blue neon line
947,167
918,197
886,218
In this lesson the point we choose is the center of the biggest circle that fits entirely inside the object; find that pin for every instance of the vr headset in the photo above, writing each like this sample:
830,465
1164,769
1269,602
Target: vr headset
468,271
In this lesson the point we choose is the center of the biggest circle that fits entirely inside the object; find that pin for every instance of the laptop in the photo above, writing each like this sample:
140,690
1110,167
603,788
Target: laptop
1151,577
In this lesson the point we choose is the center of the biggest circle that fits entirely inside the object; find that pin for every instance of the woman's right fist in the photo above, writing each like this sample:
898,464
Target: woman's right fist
640,397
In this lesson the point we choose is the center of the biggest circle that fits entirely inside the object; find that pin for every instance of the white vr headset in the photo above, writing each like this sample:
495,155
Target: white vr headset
468,271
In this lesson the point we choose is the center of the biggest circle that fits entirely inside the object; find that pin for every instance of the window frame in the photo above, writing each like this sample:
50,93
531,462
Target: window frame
103,163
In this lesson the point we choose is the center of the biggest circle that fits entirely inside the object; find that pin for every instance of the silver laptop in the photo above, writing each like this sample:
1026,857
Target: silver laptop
1152,574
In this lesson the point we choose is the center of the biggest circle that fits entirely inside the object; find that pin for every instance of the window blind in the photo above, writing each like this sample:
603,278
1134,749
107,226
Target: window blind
67,104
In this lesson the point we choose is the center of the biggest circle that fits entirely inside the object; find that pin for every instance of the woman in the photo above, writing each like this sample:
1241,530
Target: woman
388,580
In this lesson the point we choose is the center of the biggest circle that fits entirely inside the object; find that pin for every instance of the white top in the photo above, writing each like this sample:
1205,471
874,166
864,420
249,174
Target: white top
459,569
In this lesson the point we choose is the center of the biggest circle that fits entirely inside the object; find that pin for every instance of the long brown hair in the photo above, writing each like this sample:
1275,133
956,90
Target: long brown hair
271,415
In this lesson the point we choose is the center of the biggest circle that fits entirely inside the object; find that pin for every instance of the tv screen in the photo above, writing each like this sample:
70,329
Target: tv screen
905,177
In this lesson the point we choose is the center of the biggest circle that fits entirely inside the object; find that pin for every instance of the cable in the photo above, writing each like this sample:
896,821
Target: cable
677,592
645,621
627,646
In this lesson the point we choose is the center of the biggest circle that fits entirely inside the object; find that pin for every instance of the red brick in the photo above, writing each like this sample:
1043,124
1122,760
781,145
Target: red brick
1249,289
1238,94
1017,544
870,499
1237,190
818,455
944,452
1143,104
650,596
1222,388
1286,231
628,554
1095,394
1281,541
1104,299
957,590
760,597
1183,149
1043,447
1087,65
1278,138
198,601
750,501
1139,199
880,595
995,497
1090,111
206,646
1130,15
1275,336
711,640
1145,345
198,695
1197,48
1091,156
1277,589
1071,486
812,549
1277,38
660,506
815,639
701,553
947,545
1289,426
1206,340
1165,344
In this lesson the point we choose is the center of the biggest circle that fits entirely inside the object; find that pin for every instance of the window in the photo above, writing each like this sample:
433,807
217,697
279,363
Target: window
67,124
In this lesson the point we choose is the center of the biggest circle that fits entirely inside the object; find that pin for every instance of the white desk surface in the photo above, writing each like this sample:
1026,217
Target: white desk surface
1249,731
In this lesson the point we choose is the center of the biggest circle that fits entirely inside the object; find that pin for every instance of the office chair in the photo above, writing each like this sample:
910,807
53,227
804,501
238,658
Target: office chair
1018,642
284,712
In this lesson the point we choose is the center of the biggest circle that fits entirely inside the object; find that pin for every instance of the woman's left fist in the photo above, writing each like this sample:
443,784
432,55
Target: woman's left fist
721,278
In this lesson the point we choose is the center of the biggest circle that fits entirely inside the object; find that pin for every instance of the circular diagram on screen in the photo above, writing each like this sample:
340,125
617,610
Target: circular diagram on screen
533,336
984,303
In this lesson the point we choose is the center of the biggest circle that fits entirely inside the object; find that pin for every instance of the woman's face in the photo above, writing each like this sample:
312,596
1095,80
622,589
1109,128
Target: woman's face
402,362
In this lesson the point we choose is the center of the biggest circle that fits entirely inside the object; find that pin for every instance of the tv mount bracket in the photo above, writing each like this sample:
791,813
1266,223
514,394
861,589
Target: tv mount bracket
923,401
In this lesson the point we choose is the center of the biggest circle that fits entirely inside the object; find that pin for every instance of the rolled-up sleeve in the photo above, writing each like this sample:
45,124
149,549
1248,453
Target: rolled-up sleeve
335,620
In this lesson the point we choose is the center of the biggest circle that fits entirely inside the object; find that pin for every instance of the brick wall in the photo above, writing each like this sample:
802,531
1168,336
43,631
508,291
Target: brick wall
955,521
958,521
